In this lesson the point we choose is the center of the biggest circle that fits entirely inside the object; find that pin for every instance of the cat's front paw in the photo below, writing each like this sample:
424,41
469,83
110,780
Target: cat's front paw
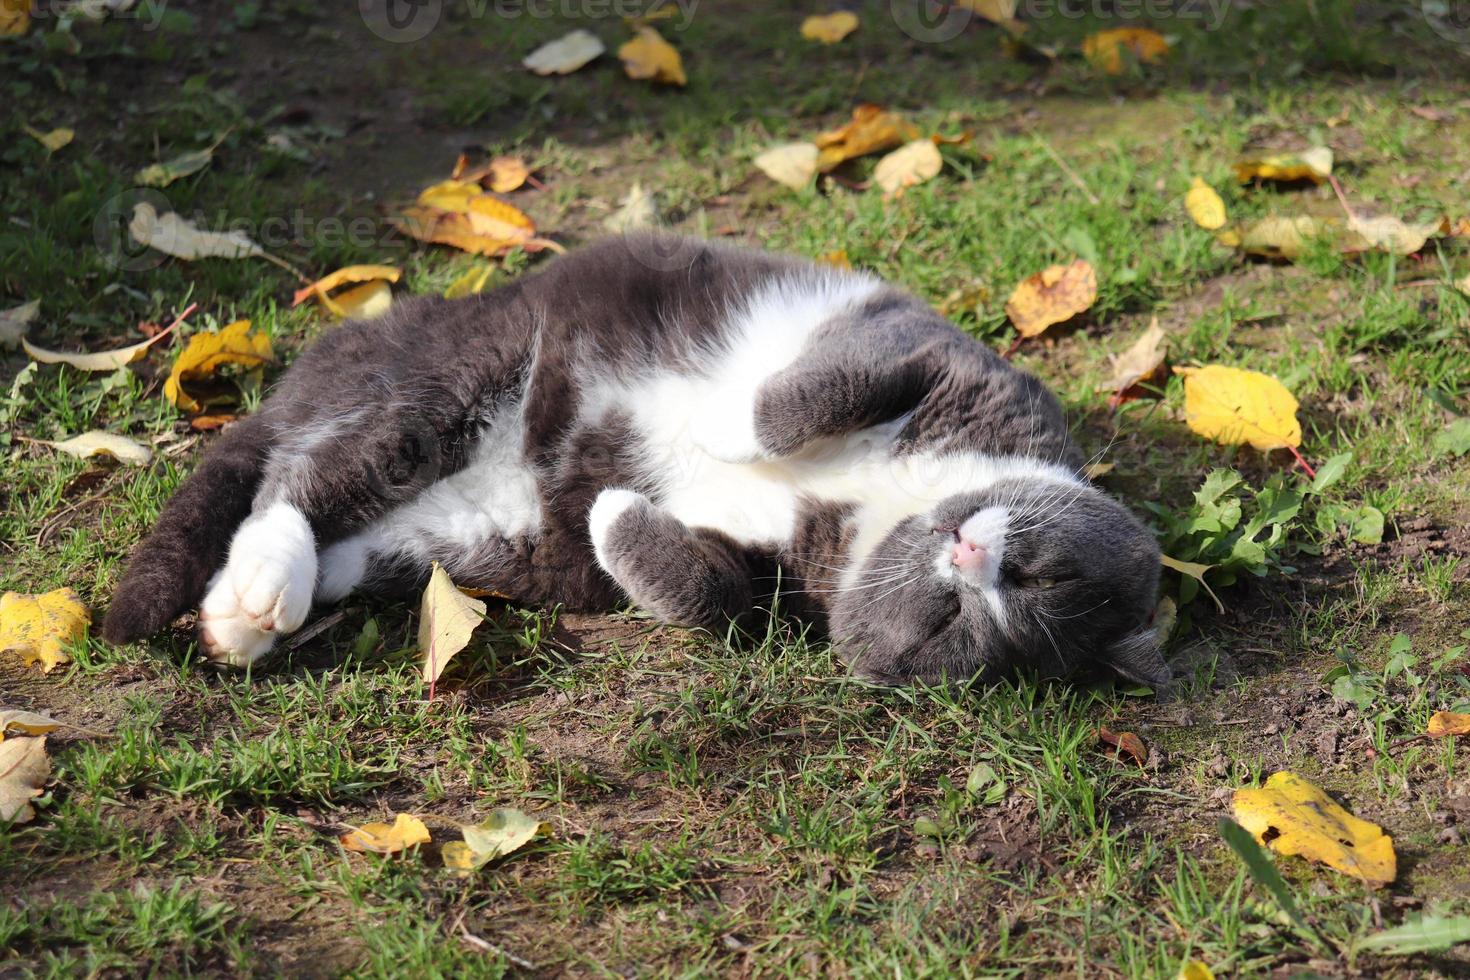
264,591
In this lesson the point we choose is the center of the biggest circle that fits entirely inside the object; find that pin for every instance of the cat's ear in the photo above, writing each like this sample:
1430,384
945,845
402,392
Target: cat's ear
1138,657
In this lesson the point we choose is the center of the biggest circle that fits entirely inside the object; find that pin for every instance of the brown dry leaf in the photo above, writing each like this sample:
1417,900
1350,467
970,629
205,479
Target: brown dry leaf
1053,295
791,164
1314,165
208,423
379,838
1204,205
39,627
871,129
566,54
15,17
1234,406
1125,743
1444,723
1105,48
205,354
13,721
506,174
648,56
1292,816
447,619
172,235
98,443
52,140
911,164
829,28
24,769
1139,363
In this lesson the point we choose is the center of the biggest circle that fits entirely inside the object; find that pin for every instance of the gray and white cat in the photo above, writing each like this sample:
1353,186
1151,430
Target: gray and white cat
683,425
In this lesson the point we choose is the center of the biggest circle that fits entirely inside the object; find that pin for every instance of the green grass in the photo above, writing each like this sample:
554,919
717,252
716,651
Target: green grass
737,805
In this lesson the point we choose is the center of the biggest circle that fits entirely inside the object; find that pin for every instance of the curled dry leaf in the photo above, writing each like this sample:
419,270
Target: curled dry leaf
1204,205
352,273
109,360
1292,816
39,627
1105,49
379,838
447,619
566,54
172,235
1446,723
502,174
175,168
1234,406
373,298
504,831
1314,165
1053,295
871,129
205,354
1124,743
14,321
460,214
13,721
97,443
1142,362
649,57
829,28
911,164
791,164
24,769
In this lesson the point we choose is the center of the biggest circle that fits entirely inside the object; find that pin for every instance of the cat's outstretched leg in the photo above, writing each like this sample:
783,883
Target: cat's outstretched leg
683,575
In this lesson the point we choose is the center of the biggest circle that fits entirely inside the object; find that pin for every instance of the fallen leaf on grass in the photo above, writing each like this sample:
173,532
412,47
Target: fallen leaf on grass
837,259
13,721
1195,970
1234,406
1144,361
172,235
649,57
791,164
52,140
175,168
379,838
205,354
447,619
1195,570
1314,165
566,54
15,17
1292,816
1424,934
109,360
40,626
97,443
24,768
504,174
1387,233
471,283
1053,295
829,28
1204,205
1096,471
13,322
504,831
460,214
871,129
1445,723
371,299
639,209
1105,48
911,164
1278,236
1124,743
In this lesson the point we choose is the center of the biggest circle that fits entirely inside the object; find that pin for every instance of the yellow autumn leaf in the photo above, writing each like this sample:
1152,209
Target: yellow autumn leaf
1105,48
1195,570
343,276
15,17
911,164
504,831
109,360
1204,205
1386,233
871,129
1195,970
172,235
39,627
1234,406
566,54
1277,236
1445,723
52,140
1053,295
96,443
829,28
649,57
791,164
837,259
471,283
1292,816
24,769
379,838
504,174
1314,165
460,214
13,721
209,351
447,619
372,298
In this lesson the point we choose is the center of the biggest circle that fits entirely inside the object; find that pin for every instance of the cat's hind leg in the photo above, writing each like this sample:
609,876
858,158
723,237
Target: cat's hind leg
264,590
686,576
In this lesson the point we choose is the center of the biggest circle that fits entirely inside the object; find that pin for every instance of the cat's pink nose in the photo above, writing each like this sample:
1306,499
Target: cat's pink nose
968,555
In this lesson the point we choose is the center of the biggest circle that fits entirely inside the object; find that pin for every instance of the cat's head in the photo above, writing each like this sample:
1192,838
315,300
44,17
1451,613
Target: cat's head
1044,576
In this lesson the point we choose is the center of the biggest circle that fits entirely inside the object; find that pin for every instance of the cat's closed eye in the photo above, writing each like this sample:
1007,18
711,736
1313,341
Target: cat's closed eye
1037,583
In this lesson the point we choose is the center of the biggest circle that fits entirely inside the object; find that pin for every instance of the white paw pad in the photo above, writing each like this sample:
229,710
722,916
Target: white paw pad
264,590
